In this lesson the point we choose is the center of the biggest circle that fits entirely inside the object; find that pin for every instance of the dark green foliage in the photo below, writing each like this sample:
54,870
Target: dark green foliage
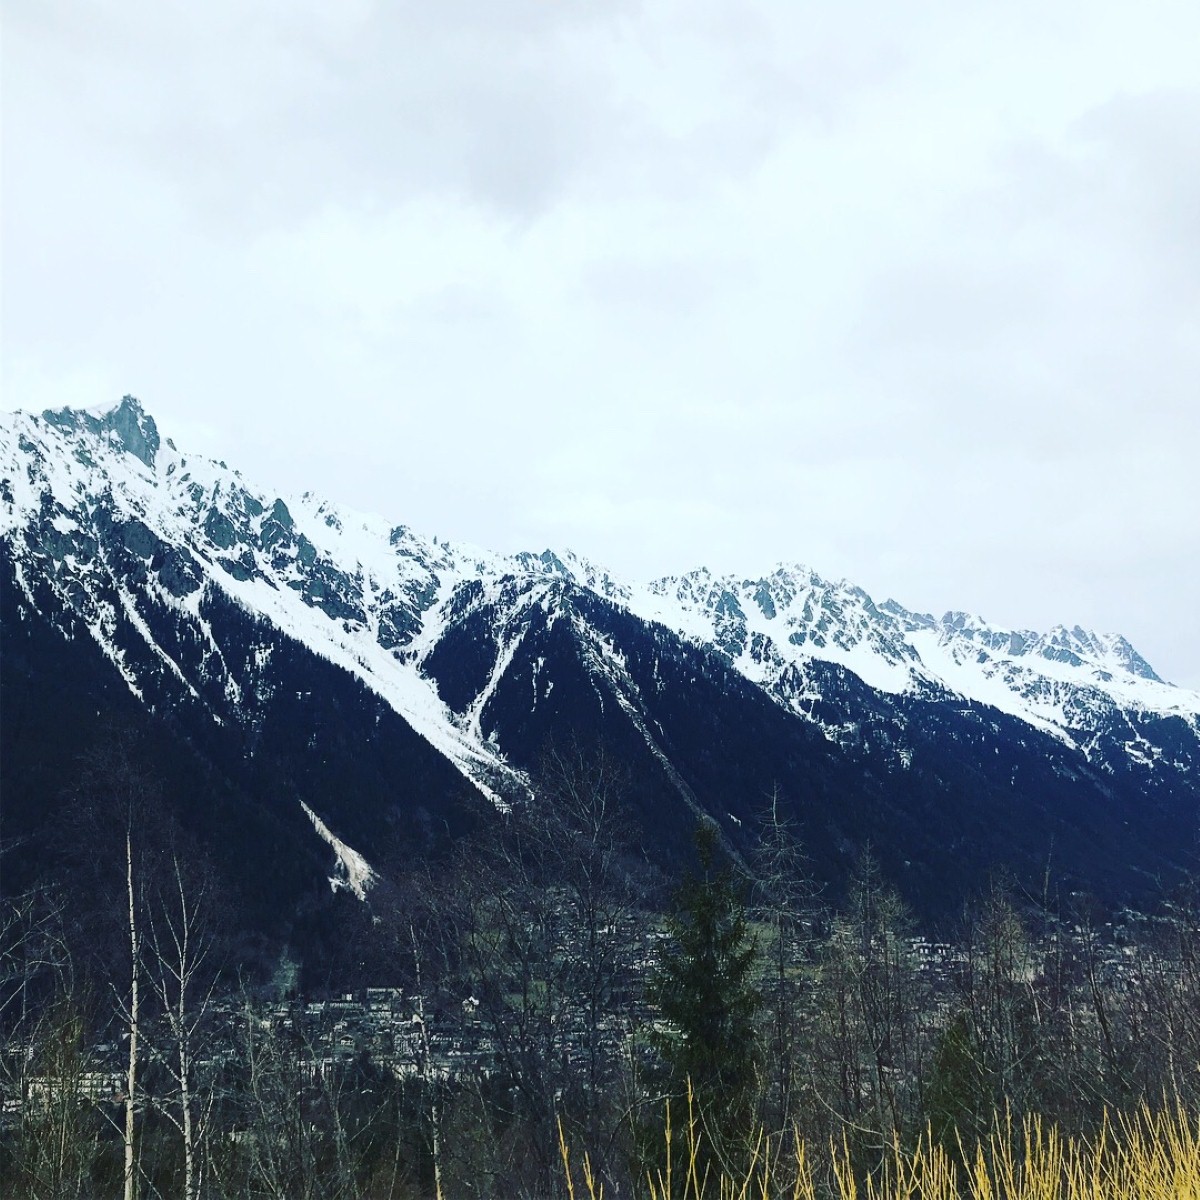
704,988
958,1099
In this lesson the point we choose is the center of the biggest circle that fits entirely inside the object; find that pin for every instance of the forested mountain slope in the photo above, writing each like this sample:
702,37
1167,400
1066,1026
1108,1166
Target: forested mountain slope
303,660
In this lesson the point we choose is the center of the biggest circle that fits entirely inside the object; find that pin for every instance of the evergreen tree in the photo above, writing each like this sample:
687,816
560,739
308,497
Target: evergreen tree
704,989
958,1102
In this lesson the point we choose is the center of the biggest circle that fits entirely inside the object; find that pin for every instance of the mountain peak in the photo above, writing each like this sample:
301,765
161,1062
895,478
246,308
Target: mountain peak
126,424
573,567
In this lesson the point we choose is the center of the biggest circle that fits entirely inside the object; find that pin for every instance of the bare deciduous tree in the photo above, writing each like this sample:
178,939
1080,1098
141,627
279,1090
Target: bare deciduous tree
180,942
784,896
45,1074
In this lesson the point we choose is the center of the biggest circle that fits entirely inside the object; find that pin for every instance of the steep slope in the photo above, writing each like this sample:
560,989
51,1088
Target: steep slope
111,519
943,792
367,686
1067,681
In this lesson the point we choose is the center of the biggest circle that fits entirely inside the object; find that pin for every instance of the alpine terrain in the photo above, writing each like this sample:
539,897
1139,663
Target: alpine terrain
326,691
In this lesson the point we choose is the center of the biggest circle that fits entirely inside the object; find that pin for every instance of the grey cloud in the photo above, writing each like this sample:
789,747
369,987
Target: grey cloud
1063,299
262,119
908,292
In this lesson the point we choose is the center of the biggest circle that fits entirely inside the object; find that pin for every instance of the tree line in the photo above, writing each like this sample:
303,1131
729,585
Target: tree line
545,981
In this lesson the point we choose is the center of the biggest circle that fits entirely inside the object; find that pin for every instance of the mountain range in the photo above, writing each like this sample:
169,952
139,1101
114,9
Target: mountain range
327,692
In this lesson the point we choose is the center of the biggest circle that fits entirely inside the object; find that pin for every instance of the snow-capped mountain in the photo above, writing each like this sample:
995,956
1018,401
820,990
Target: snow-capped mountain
1068,681
207,598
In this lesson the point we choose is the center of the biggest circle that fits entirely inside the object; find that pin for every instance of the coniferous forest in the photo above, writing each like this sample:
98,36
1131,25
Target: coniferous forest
539,1011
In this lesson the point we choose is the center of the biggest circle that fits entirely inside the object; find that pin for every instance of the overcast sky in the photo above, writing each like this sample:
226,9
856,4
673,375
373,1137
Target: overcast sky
907,292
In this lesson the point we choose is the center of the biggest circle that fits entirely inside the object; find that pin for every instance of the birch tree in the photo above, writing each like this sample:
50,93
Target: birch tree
116,817
180,941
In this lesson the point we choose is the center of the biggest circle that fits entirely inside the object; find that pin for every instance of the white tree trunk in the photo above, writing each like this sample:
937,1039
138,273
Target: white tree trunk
189,1138
187,967
435,1120
131,1077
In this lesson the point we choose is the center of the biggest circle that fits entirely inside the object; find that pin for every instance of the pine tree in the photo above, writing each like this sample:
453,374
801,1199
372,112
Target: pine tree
958,1101
704,990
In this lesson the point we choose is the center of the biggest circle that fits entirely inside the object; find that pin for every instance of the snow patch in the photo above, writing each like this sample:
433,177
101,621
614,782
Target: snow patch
353,872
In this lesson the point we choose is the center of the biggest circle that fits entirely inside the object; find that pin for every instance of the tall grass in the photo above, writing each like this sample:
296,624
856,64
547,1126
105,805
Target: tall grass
1144,1155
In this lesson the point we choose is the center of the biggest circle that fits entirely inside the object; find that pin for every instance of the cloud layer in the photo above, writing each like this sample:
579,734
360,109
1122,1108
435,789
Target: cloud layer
908,293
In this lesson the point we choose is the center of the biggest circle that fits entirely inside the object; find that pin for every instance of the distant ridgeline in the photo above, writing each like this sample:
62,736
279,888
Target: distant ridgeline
322,695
